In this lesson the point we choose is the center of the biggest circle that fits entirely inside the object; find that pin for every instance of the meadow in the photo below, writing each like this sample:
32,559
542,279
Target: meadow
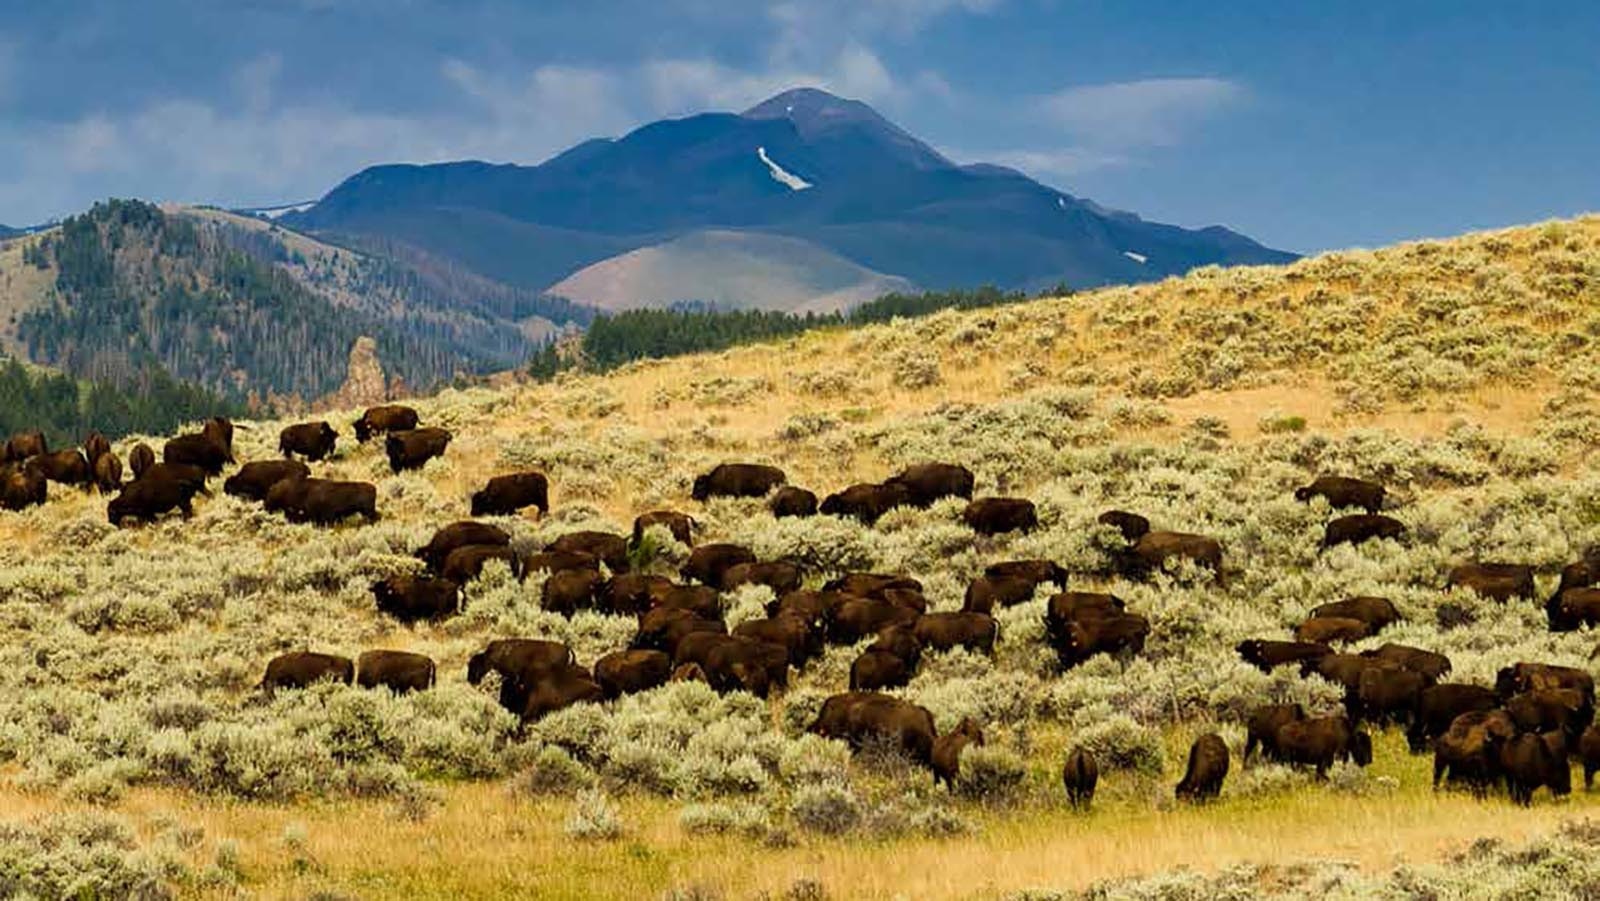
139,760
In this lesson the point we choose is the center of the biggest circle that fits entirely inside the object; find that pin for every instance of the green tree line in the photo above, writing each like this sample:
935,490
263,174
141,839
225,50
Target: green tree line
66,409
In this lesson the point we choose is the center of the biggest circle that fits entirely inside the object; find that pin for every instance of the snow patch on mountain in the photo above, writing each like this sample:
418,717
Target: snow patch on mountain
781,175
1136,257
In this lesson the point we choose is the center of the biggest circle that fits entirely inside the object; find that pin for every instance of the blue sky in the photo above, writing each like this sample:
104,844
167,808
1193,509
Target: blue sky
1306,125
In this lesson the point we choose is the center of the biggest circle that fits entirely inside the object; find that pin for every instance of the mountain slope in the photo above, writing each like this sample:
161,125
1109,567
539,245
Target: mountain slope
728,270
804,164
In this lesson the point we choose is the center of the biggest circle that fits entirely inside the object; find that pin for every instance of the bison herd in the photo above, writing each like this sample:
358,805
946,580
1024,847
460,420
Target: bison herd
1520,732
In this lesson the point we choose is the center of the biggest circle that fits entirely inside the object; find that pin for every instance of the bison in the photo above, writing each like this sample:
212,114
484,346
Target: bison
558,689
465,564
1132,526
1121,635
944,631
506,495
1527,764
869,718
1431,665
609,547
998,515
738,480
413,448
95,446
1388,694
301,669
140,459
323,502
570,590
1544,709
1263,725
1325,630
147,499
875,670
1358,528
947,750
866,502
681,525
629,672
1439,705
1377,613
203,451
388,418
107,472
1495,581
64,467
1079,775
513,656
1589,754
1572,608
779,575
870,585
664,628
1267,655
220,430
460,534
1342,491
625,593
1466,752
1521,677
799,637
985,593
312,440
411,599
707,563
256,478
926,483
398,671
23,445
1321,741
1208,766
856,619
791,501
21,488
1154,549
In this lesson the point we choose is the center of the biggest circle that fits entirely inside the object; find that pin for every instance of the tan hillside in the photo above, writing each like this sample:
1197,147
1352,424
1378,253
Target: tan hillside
1461,373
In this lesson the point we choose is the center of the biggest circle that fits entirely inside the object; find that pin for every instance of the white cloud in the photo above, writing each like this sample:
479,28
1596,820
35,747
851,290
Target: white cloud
1063,162
1154,112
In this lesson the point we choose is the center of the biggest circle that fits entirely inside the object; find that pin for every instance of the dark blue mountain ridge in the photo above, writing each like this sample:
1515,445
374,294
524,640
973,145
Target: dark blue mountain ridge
803,164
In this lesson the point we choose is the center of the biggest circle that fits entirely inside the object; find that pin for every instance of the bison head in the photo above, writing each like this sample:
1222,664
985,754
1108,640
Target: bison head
1361,748
1302,494
480,503
702,488
477,667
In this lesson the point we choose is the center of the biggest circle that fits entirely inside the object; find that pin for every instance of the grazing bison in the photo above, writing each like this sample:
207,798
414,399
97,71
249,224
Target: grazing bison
1321,741
862,718
1035,571
388,418
514,656
1388,694
927,483
1342,491
146,499
900,640
312,440
1495,581
875,670
791,501
1208,766
559,689
807,604
1466,752
944,631
398,671
1132,526
1527,764
1153,550
413,448
411,599
1544,709
681,525
1325,630
1521,677
866,502
1431,665
558,561
1121,635
871,585
197,450
739,664
1572,608
1377,613
985,593
779,575
798,637
609,547
190,476
460,534
465,564
998,515
629,672
507,494
664,628
856,619
1072,606
220,430
947,750
255,479
1079,775
707,563
1262,729
21,488
140,459
23,445
95,446
1439,705
570,590
625,593
107,472
301,669
64,467
323,502
689,672
1589,754
1267,655
738,480
701,600
1358,528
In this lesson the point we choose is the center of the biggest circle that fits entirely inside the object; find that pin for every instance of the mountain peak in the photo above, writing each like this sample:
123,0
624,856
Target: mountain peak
818,114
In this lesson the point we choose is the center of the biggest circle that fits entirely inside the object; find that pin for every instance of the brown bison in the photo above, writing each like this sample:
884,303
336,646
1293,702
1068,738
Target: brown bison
388,418
1527,764
707,563
511,657
398,671
739,664
1388,694
779,575
559,561
1545,709
322,502
301,669
944,631
1495,581
856,619
107,472
570,590
998,515
947,750
738,480
193,477
140,459
985,593
1431,665
1439,705
870,585
609,547
312,440
1267,655
1325,630
629,672
146,499
1153,550
220,430
701,600
1589,754
1467,751
866,502
875,670
1261,729
95,446
21,488
413,448
664,628
1035,571
1208,766
627,594
460,534
256,478
802,639
197,450
926,483
23,445
1322,741
1121,635
1572,608
1358,528
1521,677
1377,613
863,718
1079,775
900,640
64,467
465,564
411,599
1132,526
1342,491
557,689
506,495
681,525
1071,606
791,501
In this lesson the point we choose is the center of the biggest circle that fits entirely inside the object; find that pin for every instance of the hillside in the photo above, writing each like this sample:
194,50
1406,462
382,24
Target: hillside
804,165
243,307
1461,373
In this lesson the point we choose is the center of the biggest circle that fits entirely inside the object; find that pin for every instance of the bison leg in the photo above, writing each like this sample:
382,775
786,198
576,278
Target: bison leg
1588,776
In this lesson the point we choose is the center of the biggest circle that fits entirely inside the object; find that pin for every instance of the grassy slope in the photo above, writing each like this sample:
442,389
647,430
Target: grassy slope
1491,330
